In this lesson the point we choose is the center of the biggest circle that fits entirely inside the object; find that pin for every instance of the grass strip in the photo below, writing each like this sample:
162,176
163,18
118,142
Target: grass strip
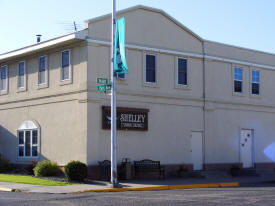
30,180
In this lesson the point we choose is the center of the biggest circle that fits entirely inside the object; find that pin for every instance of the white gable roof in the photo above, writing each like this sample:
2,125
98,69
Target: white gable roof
28,125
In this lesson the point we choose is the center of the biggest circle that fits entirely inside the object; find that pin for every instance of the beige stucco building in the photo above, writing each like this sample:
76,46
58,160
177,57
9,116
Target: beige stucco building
206,104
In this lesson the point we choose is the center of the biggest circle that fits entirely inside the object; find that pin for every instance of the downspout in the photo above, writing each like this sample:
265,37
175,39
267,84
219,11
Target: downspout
204,101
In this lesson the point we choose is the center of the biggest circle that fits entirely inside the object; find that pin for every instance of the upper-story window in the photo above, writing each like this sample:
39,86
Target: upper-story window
255,83
21,74
150,70
182,71
121,76
65,66
42,70
3,78
238,79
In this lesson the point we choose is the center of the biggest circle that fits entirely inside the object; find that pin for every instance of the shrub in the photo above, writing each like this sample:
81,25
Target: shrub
76,170
46,168
5,166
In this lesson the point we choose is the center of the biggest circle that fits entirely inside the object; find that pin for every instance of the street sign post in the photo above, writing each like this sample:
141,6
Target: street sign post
104,84
103,81
113,171
118,66
104,88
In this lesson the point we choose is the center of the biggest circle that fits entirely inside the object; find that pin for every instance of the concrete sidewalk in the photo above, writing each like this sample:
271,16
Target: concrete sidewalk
211,180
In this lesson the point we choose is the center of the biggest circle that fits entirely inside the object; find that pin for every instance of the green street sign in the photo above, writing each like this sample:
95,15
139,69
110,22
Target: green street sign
103,81
104,88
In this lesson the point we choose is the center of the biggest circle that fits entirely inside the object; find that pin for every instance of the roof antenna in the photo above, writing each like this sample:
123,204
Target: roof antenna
75,29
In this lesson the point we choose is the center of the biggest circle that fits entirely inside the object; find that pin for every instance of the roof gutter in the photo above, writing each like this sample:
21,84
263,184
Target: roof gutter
36,47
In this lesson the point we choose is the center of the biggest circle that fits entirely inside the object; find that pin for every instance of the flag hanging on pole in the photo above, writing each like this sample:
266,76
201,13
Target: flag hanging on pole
120,65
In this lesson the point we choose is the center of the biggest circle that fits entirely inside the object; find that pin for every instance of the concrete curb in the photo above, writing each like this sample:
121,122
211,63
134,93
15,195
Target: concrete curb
149,188
164,187
5,189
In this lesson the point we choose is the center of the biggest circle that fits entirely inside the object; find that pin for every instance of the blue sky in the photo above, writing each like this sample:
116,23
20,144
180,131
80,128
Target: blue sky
245,23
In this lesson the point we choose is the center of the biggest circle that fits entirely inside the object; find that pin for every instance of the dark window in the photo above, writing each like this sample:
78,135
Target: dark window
3,78
255,88
34,151
34,143
182,71
255,85
238,86
27,144
65,71
42,64
21,151
34,137
3,72
121,76
21,144
238,79
150,68
21,137
65,59
42,70
21,69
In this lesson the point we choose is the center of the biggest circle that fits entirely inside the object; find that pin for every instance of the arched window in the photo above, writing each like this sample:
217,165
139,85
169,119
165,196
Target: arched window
27,135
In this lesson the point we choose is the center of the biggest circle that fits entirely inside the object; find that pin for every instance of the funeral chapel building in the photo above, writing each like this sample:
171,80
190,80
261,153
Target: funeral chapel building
185,100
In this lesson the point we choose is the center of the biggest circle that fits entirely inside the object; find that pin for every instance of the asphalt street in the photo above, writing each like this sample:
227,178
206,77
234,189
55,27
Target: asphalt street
260,195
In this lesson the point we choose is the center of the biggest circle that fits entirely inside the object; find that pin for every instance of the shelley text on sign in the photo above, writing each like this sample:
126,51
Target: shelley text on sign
127,118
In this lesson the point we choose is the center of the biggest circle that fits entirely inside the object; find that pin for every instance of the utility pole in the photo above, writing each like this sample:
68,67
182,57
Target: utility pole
113,104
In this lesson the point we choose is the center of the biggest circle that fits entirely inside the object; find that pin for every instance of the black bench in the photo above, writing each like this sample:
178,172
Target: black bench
148,166
104,170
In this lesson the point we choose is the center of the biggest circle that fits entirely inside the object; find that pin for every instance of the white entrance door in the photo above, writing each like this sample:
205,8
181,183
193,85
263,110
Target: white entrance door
246,148
196,150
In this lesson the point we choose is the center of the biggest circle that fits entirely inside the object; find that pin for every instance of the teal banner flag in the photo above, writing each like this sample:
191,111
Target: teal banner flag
120,65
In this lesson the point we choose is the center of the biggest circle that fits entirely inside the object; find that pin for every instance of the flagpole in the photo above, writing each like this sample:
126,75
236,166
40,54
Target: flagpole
114,181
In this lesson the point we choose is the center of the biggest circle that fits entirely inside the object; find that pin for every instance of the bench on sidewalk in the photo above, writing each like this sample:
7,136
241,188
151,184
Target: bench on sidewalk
148,166
104,170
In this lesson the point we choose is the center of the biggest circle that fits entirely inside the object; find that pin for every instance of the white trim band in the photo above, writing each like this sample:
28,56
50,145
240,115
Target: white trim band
149,49
187,54
239,62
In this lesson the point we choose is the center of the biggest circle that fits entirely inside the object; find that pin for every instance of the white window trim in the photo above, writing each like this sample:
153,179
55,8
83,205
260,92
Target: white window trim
46,84
31,156
66,81
250,84
5,91
177,85
22,89
233,80
145,83
29,125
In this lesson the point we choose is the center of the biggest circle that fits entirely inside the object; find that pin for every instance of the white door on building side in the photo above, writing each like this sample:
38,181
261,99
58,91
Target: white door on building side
246,148
196,150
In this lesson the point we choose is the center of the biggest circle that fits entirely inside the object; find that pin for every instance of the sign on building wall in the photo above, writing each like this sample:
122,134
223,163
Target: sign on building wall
127,118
